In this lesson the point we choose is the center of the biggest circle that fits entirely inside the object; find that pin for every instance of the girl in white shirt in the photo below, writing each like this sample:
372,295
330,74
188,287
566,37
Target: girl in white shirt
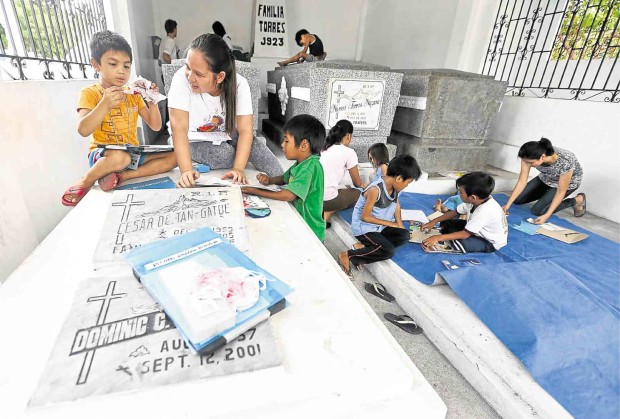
337,159
209,95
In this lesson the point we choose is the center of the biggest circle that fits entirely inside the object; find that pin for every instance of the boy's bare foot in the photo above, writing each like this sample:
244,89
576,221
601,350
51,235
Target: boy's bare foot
343,261
109,181
281,63
360,267
437,206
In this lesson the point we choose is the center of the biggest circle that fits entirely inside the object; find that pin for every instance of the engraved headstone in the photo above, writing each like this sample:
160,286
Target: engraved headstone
271,34
116,338
365,94
142,216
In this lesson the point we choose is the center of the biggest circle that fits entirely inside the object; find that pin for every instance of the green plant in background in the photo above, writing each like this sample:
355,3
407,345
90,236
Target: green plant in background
579,32
32,25
3,39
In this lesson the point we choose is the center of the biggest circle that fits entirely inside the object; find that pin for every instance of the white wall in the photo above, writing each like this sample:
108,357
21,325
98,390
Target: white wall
588,129
408,34
42,155
335,21
455,34
195,17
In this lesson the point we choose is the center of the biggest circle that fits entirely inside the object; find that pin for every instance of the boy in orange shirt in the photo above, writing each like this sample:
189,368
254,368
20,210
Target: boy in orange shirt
110,114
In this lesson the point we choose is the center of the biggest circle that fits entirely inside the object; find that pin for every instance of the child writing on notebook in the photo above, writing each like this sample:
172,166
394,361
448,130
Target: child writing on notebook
485,229
304,137
110,113
376,221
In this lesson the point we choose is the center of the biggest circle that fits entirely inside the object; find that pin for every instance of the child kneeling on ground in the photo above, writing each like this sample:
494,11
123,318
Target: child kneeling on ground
377,222
304,137
485,229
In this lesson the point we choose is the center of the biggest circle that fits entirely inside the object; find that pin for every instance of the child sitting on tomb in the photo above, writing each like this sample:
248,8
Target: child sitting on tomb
485,228
379,156
304,136
312,49
337,160
376,220
110,113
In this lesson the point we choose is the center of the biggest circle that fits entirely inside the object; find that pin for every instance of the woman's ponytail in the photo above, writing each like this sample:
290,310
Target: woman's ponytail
220,58
337,133
533,150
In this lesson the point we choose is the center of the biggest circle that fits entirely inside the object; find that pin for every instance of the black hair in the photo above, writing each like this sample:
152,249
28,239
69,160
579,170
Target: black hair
299,34
404,166
218,28
480,184
219,57
170,25
380,153
104,41
535,149
338,132
306,127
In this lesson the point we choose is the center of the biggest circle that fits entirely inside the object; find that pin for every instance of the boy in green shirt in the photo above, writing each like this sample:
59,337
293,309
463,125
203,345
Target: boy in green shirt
304,137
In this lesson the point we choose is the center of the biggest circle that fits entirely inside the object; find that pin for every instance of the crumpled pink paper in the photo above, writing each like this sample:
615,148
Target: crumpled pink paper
142,86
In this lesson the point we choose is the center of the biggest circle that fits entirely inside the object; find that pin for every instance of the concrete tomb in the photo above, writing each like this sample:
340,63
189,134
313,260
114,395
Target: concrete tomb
365,94
444,117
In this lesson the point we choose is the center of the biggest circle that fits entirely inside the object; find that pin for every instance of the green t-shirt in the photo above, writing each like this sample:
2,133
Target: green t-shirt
305,180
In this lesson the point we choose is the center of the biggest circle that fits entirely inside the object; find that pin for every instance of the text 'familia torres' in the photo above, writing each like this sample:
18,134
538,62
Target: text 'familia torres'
270,11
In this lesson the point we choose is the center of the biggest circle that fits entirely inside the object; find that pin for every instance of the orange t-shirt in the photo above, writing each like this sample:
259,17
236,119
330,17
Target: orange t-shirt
119,126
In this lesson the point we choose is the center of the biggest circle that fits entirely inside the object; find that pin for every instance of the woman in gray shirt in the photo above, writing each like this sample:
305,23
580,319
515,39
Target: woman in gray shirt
560,176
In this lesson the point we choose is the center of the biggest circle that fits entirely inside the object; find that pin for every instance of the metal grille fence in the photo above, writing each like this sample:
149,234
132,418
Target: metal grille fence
48,37
561,49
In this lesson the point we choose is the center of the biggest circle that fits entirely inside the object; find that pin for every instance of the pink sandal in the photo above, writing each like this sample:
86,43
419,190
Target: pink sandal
77,191
109,181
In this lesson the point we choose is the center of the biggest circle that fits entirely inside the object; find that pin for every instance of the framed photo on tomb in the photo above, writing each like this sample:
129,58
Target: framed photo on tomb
359,101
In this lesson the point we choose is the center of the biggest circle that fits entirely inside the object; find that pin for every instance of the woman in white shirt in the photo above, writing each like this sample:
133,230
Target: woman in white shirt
208,95
337,159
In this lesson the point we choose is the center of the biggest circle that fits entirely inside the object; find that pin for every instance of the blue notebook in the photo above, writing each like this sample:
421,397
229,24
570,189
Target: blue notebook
159,183
208,288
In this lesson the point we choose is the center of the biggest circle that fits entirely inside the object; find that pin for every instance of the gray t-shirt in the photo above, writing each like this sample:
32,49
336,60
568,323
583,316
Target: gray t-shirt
566,162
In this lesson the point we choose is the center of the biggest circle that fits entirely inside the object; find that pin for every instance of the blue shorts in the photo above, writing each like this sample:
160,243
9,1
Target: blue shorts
97,153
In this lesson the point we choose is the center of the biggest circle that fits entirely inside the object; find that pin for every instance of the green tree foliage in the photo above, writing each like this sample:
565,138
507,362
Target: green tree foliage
55,29
578,37
3,39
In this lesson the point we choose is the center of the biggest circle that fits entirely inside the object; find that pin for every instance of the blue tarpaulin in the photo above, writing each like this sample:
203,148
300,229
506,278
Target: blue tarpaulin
556,306
594,261
564,334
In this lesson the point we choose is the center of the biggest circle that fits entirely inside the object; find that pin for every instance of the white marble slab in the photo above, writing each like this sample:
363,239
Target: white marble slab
137,217
338,359
117,338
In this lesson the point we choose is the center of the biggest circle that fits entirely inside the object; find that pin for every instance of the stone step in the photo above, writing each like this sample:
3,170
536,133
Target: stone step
494,371
440,157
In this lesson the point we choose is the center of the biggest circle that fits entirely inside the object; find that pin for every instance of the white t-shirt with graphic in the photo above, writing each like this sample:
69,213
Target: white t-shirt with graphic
487,221
336,161
205,111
